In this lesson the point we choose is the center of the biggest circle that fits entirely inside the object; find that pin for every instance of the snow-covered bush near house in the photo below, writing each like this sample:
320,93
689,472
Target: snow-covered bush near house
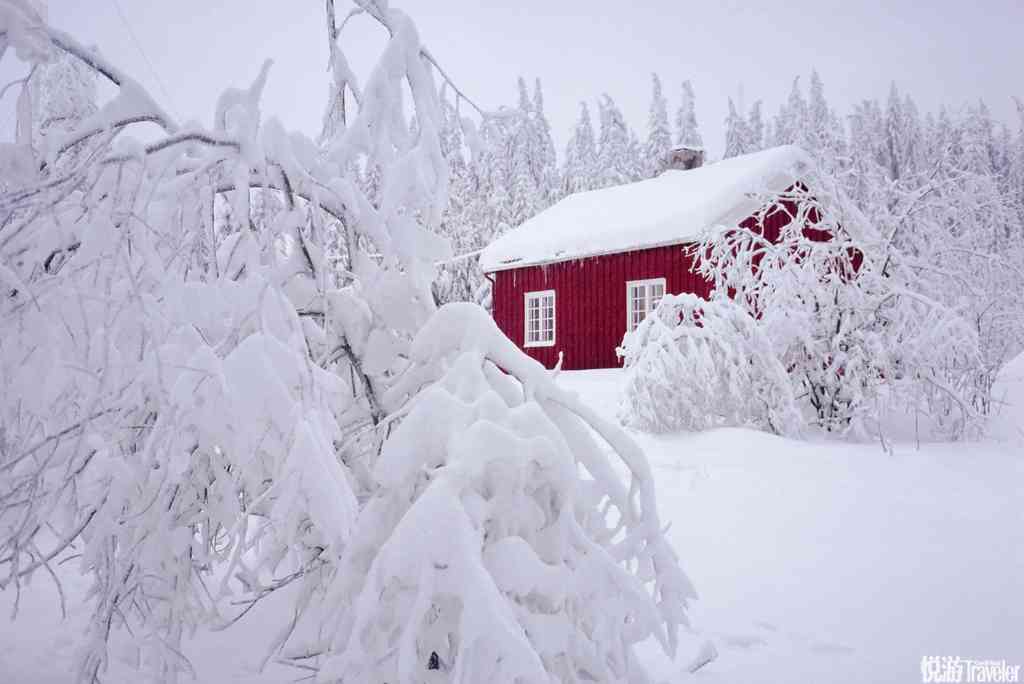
502,544
856,321
211,392
857,327
694,364
811,299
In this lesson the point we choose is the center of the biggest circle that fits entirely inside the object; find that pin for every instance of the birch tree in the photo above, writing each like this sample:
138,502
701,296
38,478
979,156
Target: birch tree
201,409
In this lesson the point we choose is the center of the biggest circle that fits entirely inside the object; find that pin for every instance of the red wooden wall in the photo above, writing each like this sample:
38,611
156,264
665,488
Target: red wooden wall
590,297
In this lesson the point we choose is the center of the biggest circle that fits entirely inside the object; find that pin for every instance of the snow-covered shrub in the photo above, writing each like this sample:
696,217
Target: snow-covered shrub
694,364
846,315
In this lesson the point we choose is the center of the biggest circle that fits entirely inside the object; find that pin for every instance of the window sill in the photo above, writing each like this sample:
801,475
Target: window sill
528,345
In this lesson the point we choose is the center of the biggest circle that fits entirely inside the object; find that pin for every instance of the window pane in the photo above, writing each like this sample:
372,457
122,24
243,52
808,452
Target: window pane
657,292
540,318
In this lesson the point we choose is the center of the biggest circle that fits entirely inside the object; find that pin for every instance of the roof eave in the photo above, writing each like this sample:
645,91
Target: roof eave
590,255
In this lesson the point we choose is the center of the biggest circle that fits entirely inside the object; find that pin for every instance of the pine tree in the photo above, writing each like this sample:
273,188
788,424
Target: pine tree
687,133
1015,170
978,140
457,281
636,167
867,131
792,117
524,162
895,134
822,134
755,128
735,133
659,135
525,105
978,165
547,159
616,163
818,115
578,174
913,137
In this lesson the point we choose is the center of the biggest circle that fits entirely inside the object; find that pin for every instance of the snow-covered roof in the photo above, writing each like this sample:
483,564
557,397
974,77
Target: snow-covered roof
669,209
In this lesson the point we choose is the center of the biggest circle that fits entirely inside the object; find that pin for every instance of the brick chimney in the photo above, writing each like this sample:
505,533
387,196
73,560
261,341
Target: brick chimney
684,158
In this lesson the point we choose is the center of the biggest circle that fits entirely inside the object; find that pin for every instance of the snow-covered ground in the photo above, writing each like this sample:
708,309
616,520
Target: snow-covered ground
838,562
814,561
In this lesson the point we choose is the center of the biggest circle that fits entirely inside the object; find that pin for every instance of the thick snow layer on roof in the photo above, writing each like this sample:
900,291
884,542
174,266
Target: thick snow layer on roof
668,209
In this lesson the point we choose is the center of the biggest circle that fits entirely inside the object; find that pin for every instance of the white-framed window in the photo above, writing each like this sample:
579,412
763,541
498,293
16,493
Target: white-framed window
540,319
642,296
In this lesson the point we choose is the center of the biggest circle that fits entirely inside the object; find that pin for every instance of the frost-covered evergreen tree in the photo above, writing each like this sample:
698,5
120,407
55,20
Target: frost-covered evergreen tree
867,152
823,134
687,133
547,160
791,120
737,135
525,159
743,134
755,128
618,159
458,280
1015,170
580,169
531,162
659,135
899,136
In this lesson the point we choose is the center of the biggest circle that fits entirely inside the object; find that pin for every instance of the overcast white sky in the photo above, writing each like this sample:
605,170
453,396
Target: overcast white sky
942,51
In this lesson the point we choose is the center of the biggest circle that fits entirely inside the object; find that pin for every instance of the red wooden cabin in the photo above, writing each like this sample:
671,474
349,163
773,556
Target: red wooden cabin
577,276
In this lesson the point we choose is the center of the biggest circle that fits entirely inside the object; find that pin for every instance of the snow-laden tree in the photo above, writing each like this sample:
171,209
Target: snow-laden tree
547,159
737,134
501,174
201,409
823,133
659,135
618,159
532,168
579,170
755,128
866,143
1015,171
743,134
849,314
791,120
901,133
524,158
459,278
687,133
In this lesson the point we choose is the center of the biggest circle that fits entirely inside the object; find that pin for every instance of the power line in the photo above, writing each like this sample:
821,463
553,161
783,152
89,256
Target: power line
145,57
